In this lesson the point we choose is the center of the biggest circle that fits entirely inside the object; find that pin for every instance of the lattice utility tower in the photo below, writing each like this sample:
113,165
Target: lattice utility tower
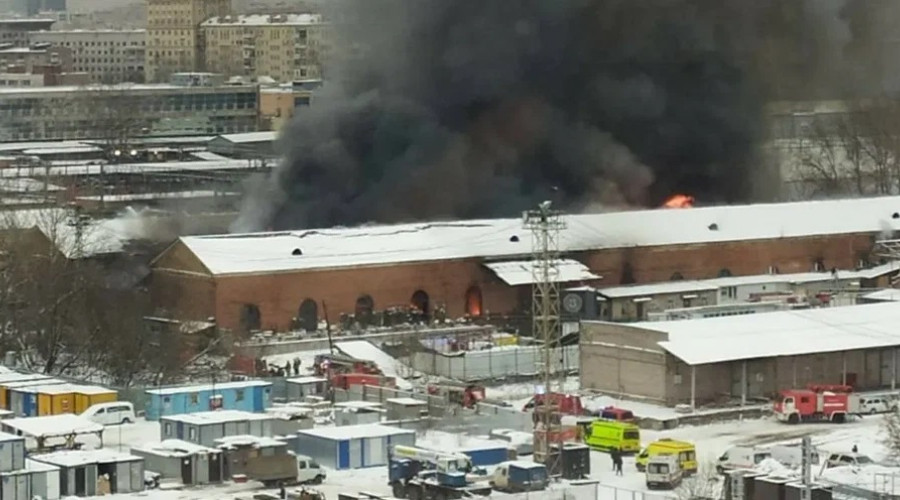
545,225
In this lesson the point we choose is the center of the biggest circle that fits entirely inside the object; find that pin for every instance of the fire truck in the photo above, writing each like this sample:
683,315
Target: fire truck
816,403
466,396
329,365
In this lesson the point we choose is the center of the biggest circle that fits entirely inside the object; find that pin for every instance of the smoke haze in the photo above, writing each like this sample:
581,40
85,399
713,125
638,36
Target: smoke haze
471,108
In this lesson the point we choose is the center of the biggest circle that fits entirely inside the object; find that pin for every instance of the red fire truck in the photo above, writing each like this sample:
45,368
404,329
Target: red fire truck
833,403
466,396
564,404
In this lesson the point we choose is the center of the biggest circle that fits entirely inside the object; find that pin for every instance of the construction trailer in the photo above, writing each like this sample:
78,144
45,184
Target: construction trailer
187,463
405,408
34,480
90,395
65,427
352,446
248,395
7,379
20,401
290,419
299,388
357,413
85,473
204,428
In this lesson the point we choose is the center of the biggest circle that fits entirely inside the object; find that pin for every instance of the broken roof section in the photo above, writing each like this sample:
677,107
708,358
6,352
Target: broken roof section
523,272
287,251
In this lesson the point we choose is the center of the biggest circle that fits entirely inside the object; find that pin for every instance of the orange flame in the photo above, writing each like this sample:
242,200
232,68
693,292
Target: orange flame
679,201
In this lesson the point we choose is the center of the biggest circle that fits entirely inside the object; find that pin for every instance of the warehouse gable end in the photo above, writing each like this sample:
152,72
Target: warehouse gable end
178,257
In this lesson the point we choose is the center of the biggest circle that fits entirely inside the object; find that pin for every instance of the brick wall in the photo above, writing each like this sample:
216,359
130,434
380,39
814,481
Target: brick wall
279,296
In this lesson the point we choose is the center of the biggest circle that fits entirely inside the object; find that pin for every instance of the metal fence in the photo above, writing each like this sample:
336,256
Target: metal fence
514,361
588,491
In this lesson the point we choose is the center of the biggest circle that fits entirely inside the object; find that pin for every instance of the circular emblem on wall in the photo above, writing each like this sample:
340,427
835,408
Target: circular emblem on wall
573,302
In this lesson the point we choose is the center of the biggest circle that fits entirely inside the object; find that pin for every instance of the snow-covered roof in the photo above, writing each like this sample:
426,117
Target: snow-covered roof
306,380
35,466
208,387
5,437
265,20
216,417
249,137
174,448
363,405
780,333
666,287
52,425
168,195
886,295
94,167
28,185
12,376
62,150
406,401
75,458
248,440
346,432
522,272
505,238
34,382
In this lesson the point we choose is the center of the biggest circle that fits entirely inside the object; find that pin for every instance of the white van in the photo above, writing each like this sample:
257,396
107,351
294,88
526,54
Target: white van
115,413
308,471
663,471
875,404
741,457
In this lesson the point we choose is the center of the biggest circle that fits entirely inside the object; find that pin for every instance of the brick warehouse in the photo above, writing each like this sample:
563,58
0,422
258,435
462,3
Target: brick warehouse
268,280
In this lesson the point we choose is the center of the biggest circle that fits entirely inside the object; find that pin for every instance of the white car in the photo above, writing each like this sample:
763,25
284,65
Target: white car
116,413
845,459
875,404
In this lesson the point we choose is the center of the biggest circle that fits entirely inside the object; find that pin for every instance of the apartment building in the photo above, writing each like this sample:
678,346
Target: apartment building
174,38
15,31
111,112
35,59
285,47
107,56
32,7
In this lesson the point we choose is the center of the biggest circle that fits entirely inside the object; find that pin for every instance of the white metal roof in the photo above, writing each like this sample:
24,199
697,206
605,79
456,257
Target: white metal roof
249,137
208,387
666,287
75,458
521,272
174,448
306,380
346,432
780,333
52,425
248,440
216,417
74,169
379,245
406,401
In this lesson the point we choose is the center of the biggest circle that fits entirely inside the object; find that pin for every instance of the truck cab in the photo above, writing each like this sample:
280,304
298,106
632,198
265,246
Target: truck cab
663,472
308,471
519,476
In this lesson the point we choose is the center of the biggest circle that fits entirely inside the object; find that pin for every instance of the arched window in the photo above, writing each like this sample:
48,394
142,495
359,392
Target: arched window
251,319
724,273
421,302
365,307
627,274
308,315
474,305
676,276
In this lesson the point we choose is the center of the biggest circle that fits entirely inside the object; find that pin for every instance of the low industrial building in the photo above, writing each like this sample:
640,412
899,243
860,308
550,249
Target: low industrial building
405,408
352,446
699,361
65,427
187,463
206,427
351,413
249,395
86,473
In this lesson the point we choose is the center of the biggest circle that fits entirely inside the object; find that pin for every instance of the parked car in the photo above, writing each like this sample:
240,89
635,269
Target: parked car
875,404
844,459
115,413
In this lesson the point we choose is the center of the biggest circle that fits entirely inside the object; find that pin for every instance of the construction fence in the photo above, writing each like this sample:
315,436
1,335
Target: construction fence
510,362
589,490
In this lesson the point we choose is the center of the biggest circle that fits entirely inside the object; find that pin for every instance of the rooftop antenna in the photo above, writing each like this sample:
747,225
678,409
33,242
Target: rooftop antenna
545,225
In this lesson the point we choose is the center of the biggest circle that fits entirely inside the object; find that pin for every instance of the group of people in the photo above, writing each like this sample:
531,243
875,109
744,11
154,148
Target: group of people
289,368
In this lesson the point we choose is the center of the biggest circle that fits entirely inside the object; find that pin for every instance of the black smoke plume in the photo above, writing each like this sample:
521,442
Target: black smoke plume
482,108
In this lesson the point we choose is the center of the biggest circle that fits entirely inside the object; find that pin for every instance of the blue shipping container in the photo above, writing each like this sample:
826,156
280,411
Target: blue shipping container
491,455
252,395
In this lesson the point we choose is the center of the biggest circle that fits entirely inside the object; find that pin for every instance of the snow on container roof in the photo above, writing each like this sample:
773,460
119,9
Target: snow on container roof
75,458
406,401
886,295
248,440
421,242
346,432
43,382
174,448
18,377
306,380
358,405
216,417
667,287
522,464
5,436
52,425
208,387
64,388
35,466
522,272
249,137
780,333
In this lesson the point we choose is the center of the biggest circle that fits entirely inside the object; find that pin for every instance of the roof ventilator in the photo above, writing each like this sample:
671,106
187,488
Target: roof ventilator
713,227
895,215
297,251
514,238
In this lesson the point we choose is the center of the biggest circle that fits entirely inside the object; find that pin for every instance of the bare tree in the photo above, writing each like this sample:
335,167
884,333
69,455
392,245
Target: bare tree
705,484
890,428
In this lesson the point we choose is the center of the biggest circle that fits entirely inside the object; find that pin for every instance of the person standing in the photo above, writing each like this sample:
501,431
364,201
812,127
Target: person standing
618,464
614,455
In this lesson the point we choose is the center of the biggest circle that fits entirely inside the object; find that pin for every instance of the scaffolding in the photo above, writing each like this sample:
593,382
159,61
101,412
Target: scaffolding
545,226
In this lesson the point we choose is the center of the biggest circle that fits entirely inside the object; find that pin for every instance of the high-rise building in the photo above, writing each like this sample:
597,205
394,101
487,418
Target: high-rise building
107,56
174,38
284,47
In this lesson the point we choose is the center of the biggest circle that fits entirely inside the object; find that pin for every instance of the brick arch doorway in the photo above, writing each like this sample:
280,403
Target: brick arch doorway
251,318
474,301
421,302
308,315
